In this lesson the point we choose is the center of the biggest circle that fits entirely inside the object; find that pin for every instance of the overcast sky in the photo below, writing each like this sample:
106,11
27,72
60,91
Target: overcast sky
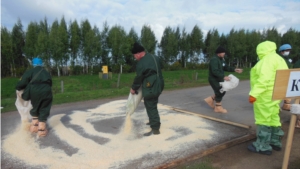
222,15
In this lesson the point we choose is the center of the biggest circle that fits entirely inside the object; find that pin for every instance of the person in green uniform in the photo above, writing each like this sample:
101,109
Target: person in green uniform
40,83
216,69
147,68
284,51
266,110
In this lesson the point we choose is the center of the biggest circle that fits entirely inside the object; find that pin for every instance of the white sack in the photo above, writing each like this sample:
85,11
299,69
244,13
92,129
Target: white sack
229,85
295,108
133,101
23,106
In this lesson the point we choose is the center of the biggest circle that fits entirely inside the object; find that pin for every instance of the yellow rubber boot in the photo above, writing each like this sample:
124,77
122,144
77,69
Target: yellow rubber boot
34,125
42,129
219,108
210,101
286,105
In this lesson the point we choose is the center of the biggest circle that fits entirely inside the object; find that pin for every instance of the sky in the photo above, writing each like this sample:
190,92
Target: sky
222,15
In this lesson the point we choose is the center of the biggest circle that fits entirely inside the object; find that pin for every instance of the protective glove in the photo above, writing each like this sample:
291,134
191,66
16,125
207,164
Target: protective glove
252,99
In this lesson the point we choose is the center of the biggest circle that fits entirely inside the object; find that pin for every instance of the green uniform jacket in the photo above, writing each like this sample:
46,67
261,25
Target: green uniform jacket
286,59
262,80
297,64
40,87
217,66
145,68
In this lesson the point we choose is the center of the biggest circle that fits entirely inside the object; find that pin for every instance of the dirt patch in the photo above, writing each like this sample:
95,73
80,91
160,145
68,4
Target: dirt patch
238,156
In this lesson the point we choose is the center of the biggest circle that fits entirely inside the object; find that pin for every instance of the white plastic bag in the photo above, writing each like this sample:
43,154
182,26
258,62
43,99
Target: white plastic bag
133,101
229,85
23,106
295,108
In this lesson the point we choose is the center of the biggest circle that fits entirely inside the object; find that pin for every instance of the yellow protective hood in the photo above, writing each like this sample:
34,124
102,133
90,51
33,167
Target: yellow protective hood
265,48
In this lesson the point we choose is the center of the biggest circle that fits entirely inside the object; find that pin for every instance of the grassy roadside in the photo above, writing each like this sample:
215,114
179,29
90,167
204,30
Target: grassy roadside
205,163
91,87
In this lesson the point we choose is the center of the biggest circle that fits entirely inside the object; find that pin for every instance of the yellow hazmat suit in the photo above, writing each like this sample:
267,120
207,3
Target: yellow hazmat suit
266,111
262,80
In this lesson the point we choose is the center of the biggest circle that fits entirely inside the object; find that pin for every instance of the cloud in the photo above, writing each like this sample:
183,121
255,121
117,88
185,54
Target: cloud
207,14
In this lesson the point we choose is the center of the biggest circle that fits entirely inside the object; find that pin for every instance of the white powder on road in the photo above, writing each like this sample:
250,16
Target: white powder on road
179,132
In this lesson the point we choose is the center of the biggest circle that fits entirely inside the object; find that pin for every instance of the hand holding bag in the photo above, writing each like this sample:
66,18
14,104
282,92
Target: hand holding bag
133,101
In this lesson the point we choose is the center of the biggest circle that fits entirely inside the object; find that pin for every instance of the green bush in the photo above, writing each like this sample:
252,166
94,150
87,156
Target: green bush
21,70
126,68
96,70
193,66
76,70
115,68
203,66
175,66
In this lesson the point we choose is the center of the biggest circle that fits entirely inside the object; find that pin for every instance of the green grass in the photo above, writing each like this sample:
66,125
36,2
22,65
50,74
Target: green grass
91,87
205,163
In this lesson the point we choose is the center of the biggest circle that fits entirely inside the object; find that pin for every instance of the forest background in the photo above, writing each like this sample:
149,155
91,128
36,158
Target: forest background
79,48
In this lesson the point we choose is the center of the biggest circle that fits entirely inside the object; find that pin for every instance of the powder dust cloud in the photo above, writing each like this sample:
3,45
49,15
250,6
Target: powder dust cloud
108,139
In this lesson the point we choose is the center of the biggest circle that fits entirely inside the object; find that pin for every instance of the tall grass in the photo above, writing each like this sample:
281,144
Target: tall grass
90,87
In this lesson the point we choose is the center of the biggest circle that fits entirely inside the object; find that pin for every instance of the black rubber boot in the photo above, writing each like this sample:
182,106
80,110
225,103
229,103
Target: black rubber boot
253,149
276,148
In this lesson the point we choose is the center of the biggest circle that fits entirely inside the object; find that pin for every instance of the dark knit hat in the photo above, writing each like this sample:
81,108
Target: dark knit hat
220,50
137,48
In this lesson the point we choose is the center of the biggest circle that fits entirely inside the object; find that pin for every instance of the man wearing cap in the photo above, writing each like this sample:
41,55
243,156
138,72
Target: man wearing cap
147,69
266,110
39,81
284,51
217,66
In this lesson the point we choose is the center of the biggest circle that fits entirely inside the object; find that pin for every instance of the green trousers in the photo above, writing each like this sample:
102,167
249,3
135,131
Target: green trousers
277,134
41,101
216,87
267,136
152,112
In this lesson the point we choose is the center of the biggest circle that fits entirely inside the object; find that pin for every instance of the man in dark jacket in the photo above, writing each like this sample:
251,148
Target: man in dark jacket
40,83
217,66
149,77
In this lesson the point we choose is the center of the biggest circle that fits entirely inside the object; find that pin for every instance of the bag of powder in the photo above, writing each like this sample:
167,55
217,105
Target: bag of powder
133,101
229,85
23,106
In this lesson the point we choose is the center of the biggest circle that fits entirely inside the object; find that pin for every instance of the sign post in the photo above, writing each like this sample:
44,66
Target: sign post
287,85
105,72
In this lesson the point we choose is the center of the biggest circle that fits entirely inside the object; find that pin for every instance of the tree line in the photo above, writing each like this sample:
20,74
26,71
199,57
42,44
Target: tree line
80,48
